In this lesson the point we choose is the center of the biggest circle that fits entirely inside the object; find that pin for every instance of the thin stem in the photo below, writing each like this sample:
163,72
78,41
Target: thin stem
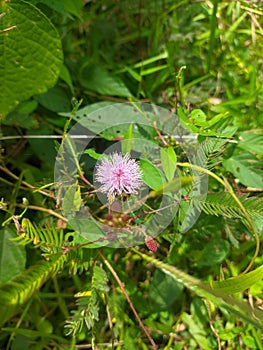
8,172
45,210
113,272
15,137
61,301
109,319
161,138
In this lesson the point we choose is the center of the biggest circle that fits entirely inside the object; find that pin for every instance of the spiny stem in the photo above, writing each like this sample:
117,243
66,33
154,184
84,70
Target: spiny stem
113,272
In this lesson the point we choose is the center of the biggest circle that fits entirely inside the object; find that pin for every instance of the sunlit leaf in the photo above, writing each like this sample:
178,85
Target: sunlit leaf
30,54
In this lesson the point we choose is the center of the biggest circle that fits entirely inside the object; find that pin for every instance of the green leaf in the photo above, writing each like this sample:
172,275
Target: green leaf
163,291
65,75
64,6
100,279
198,117
95,78
72,200
152,176
18,291
249,342
30,54
107,119
251,142
240,283
214,252
44,148
49,237
55,99
127,141
12,256
93,154
168,158
174,186
246,168
73,7
22,116
197,332
87,230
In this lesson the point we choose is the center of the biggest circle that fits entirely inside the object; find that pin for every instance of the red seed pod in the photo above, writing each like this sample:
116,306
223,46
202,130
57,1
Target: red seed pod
108,216
125,217
151,244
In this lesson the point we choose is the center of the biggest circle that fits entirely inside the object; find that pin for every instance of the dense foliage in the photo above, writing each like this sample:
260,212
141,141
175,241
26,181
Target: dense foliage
182,267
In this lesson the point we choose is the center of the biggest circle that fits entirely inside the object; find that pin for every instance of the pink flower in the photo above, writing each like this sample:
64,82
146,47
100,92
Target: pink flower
151,244
118,174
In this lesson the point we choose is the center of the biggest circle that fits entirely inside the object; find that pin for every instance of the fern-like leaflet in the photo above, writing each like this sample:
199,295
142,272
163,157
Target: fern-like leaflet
50,239
19,290
223,204
88,303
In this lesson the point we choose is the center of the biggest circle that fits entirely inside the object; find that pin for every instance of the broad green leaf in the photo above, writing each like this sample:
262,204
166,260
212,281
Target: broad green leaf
74,7
93,154
64,6
27,107
44,148
168,158
197,332
22,116
65,75
174,186
72,200
12,255
198,117
56,5
240,283
112,120
251,142
215,251
55,99
87,231
163,292
98,79
196,123
182,113
126,145
152,176
250,342
30,54
246,168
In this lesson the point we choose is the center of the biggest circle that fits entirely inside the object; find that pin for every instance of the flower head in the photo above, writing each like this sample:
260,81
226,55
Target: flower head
151,244
118,174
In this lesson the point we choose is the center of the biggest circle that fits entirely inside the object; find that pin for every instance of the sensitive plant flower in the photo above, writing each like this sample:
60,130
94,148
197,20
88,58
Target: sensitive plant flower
151,244
118,174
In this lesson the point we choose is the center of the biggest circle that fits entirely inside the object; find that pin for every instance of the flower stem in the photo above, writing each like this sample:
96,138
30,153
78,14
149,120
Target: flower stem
113,272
